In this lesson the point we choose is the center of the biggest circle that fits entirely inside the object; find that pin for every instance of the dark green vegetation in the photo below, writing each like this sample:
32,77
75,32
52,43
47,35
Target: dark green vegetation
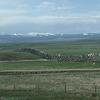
25,95
8,53
11,55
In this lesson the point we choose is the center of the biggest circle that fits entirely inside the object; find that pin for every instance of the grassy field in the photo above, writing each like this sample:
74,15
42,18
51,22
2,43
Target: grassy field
66,48
8,52
11,55
54,97
56,86
38,65
10,59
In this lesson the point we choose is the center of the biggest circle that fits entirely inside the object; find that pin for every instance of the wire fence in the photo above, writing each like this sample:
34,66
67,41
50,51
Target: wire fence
55,84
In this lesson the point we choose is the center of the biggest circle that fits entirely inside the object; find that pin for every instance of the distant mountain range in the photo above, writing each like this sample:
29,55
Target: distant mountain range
46,37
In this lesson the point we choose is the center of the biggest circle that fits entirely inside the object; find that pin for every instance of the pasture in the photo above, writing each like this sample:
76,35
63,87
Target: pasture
23,60
50,84
66,48
38,65
54,86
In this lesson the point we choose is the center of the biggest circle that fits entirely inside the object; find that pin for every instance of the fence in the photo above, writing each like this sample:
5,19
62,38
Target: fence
26,85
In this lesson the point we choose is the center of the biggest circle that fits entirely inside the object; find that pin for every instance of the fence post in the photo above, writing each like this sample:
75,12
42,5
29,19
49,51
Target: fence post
65,87
95,90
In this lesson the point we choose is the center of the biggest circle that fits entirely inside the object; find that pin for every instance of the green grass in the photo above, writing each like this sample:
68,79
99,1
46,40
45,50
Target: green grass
25,95
65,48
12,55
31,65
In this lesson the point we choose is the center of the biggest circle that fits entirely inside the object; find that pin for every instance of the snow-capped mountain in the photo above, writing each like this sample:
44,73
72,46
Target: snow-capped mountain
45,37
34,34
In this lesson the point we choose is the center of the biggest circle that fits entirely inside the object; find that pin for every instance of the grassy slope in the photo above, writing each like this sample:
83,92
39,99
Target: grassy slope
11,55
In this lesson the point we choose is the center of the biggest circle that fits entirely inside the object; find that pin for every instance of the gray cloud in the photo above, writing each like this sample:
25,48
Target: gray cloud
17,18
46,16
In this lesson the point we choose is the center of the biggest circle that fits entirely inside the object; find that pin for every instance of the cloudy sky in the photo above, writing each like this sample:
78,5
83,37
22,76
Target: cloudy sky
53,16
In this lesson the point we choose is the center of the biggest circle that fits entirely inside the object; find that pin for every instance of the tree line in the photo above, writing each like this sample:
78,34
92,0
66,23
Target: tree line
75,58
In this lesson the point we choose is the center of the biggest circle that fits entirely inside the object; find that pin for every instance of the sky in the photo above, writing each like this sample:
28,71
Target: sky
49,16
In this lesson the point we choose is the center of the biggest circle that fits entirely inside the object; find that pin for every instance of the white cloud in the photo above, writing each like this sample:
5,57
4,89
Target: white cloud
53,8
7,20
42,13
63,8
44,6
45,3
